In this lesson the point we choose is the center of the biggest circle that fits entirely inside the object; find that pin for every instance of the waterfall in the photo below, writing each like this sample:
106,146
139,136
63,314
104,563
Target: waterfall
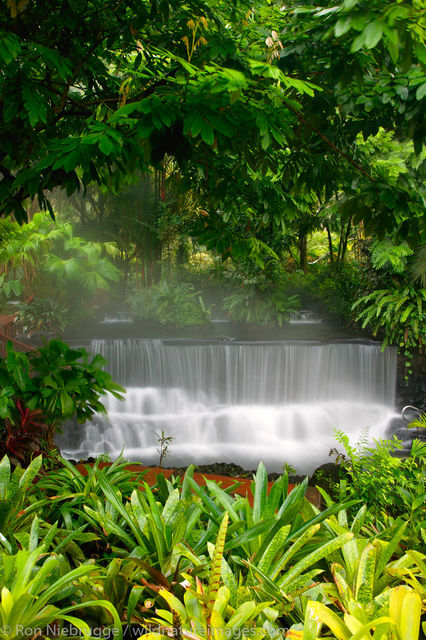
239,402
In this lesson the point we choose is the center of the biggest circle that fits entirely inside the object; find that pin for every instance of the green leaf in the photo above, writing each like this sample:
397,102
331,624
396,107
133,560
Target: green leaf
365,575
223,498
4,477
53,58
10,47
358,43
106,146
216,564
350,4
284,559
342,26
35,104
260,492
421,91
402,91
406,313
313,557
373,33
194,123
316,613
67,404
207,133
388,550
266,140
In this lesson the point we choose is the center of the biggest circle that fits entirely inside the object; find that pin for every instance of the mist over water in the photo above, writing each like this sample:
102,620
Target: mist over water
239,402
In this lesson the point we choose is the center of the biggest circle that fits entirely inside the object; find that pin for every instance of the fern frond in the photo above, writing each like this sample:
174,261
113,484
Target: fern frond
362,444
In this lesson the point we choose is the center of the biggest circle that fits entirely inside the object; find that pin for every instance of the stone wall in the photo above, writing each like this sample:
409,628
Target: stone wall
412,391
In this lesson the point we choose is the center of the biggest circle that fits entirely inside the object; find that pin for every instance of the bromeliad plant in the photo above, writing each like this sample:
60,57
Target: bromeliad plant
398,619
179,558
279,515
206,611
146,529
68,490
181,526
15,506
69,481
34,586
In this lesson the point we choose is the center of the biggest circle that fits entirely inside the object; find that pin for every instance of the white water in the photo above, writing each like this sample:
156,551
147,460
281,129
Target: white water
241,403
305,317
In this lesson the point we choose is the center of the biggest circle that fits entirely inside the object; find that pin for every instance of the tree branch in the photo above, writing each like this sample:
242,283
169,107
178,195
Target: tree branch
330,143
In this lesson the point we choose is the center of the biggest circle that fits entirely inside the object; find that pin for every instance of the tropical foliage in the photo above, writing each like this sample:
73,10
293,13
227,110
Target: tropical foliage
231,105
53,272
260,304
174,304
389,485
280,147
43,388
271,136
400,314
182,558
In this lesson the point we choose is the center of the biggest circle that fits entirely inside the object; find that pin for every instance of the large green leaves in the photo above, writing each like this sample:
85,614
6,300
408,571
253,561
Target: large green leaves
14,489
30,589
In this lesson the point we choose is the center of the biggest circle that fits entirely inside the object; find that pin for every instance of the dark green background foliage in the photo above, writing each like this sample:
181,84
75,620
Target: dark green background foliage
233,91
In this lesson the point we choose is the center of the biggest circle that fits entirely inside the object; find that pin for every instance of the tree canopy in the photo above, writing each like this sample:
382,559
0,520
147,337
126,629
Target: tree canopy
261,106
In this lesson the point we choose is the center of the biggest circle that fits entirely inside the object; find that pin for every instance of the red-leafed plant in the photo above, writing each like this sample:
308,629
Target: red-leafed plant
24,433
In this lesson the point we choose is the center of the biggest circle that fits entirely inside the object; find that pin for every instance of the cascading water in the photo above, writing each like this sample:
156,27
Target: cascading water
239,402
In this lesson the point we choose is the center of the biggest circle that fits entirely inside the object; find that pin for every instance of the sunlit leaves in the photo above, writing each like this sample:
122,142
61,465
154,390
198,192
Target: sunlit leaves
421,91
370,36
399,26
400,314
10,47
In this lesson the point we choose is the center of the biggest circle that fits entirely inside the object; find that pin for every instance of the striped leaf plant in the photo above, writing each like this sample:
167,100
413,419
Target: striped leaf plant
253,527
206,611
399,619
16,509
34,585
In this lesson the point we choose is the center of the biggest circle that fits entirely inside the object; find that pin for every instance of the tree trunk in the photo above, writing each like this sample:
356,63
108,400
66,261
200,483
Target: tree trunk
303,252
330,243
345,243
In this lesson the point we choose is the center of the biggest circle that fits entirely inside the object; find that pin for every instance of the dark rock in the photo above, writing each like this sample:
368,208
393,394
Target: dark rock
413,390
294,479
327,475
224,469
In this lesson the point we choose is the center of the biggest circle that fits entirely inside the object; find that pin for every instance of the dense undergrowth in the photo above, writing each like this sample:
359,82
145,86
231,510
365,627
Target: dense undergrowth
103,553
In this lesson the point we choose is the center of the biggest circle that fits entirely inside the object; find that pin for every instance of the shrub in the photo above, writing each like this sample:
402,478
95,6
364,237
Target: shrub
335,286
260,305
46,315
46,387
386,483
174,304
399,314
